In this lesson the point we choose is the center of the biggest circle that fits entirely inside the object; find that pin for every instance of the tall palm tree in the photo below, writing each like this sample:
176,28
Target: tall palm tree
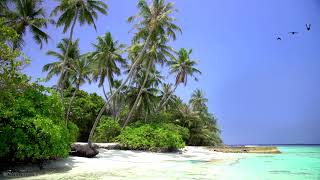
23,15
157,49
106,57
159,52
55,68
79,74
183,67
154,21
84,11
198,100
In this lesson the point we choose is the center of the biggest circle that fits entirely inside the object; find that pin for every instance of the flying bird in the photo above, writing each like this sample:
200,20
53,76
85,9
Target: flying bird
293,32
308,26
279,38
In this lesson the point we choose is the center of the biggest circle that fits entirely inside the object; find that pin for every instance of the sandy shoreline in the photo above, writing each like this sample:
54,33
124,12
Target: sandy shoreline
120,164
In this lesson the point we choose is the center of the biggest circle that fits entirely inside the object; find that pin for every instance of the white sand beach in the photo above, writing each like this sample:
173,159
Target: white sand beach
121,164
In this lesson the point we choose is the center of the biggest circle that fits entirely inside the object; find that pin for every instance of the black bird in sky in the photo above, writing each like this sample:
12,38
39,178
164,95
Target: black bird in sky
293,32
279,38
308,26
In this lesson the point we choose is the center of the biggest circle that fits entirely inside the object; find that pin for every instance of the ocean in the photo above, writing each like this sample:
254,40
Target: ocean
294,163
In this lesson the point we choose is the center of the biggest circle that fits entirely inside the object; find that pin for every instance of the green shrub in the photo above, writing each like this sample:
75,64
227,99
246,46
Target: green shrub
184,132
84,111
73,132
107,130
153,137
30,139
32,123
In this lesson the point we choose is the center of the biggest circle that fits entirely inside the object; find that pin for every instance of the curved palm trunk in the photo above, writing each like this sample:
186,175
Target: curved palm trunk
105,95
164,97
167,100
113,101
70,103
139,94
139,58
61,80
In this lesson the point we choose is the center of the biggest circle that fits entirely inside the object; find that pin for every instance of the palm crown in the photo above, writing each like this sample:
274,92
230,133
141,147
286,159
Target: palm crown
26,14
183,66
198,100
84,10
55,68
105,58
155,20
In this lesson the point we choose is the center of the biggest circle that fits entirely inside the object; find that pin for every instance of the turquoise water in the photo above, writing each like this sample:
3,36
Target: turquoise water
294,163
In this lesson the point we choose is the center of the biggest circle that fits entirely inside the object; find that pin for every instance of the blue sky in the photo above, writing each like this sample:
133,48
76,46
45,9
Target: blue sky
262,90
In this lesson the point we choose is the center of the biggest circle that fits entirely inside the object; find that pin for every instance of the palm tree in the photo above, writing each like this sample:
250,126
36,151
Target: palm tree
3,6
155,22
148,98
84,11
106,57
159,52
185,116
198,101
79,74
56,68
183,66
26,14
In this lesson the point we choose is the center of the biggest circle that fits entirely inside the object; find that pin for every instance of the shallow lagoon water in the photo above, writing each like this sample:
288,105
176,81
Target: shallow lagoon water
295,162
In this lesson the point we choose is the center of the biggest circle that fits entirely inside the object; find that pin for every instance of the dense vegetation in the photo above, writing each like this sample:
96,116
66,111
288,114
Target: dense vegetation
154,137
31,116
140,111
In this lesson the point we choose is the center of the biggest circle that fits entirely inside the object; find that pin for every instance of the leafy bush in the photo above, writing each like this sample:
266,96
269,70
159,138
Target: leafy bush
84,111
31,123
153,137
107,130
33,139
73,132
184,132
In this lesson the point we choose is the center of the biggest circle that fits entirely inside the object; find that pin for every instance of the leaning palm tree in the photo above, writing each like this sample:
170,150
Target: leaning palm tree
154,22
23,15
183,66
106,58
159,52
55,68
148,98
79,74
84,11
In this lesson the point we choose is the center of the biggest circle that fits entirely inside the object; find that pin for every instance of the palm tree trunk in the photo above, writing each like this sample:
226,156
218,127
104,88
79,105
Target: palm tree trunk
105,95
166,101
139,58
139,94
164,97
70,103
113,101
61,80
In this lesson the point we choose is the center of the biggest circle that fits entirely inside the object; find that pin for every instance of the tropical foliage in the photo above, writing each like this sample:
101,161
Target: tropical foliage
26,14
139,107
153,137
